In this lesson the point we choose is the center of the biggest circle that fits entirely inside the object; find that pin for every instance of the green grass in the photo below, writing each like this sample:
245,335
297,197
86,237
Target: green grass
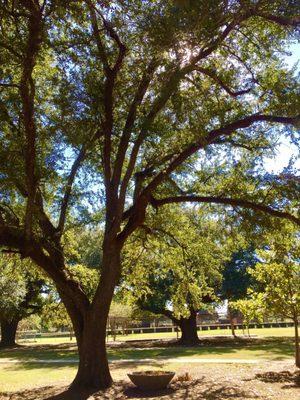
15,377
262,332
32,374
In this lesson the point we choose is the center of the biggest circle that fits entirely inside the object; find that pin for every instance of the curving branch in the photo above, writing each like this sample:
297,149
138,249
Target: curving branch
72,175
11,50
218,80
96,33
3,84
227,201
136,213
214,135
65,201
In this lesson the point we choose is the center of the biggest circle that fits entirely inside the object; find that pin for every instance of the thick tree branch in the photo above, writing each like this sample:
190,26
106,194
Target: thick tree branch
123,145
109,86
280,20
27,93
14,238
177,75
112,33
226,201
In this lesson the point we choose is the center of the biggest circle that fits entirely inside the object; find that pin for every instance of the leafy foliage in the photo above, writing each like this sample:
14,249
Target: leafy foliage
279,273
21,286
179,265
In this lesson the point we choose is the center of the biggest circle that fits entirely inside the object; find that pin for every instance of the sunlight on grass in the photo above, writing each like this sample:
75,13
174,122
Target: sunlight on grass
264,332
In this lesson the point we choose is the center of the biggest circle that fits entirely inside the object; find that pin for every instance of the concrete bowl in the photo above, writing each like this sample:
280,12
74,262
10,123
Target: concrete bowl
151,380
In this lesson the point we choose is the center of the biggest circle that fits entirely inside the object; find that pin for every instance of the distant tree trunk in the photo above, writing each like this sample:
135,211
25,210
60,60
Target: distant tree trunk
188,326
297,344
231,318
8,332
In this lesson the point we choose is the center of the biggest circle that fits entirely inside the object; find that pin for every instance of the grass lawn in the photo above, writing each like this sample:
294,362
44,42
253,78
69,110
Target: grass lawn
262,332
27,373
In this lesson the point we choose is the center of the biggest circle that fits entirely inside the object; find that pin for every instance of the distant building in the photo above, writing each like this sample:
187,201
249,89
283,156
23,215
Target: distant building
207,317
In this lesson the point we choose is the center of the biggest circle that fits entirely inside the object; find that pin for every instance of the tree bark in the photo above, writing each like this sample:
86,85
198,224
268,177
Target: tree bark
297,344
188,326
8,332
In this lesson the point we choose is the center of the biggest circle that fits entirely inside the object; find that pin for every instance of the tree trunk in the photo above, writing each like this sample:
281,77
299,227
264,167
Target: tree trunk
93,371
188,326
297,344
231,317
8,332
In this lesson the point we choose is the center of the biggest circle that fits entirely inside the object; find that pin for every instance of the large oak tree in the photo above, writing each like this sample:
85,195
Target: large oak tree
114,107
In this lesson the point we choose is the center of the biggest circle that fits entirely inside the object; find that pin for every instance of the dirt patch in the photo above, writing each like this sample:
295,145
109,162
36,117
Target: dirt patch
210,382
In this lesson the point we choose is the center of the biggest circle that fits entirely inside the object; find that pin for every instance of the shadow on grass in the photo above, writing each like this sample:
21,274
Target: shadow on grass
36,352
128,366
270,348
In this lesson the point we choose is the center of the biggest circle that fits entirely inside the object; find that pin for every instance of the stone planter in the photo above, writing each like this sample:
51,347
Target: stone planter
151,380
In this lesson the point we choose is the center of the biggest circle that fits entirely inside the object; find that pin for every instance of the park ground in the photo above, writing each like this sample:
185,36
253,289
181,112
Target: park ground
261,367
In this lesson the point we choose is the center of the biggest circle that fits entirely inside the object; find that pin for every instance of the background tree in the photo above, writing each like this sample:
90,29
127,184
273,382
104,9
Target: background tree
176,270
108,107
251,310
279,274
159,302
236,280
21,288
